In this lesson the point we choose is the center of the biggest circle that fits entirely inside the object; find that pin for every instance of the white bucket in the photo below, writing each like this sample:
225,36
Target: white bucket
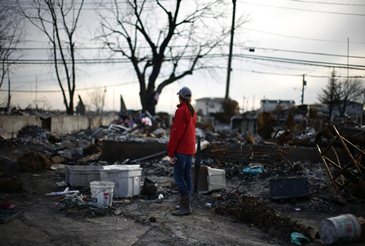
103,192
342,228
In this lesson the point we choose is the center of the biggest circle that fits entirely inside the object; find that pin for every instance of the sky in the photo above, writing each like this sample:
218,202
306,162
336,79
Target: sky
314,30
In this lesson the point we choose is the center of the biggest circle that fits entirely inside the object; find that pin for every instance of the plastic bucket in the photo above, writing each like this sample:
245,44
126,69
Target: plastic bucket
342,228
103,192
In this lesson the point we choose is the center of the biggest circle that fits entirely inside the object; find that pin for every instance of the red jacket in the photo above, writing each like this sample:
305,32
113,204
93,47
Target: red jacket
182,134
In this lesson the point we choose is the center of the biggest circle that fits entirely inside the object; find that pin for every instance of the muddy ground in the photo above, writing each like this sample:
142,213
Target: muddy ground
242,214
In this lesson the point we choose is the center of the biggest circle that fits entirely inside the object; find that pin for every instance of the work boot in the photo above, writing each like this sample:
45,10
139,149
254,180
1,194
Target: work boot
189,203
184,208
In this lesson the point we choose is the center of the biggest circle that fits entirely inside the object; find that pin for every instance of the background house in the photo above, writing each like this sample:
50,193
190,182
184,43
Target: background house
354,110
267,105
207,105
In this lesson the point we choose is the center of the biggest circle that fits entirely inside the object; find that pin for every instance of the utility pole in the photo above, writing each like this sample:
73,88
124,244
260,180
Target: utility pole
348,57
230,50
36,92
9,96
303,84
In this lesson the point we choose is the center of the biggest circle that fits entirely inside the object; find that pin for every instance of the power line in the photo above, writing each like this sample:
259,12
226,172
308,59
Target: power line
329,3
308,52
302,62
187,57
296,75
99,6
81,89
192,46
135,82
301,37
299,9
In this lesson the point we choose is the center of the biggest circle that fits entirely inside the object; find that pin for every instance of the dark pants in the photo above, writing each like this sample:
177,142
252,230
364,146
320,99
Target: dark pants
182,173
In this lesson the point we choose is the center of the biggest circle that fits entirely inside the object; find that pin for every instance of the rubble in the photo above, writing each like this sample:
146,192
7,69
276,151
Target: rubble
32,161
347,174
285,152
252,210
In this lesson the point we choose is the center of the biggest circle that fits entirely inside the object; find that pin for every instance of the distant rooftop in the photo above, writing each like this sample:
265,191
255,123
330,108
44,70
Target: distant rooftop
219,99
277,101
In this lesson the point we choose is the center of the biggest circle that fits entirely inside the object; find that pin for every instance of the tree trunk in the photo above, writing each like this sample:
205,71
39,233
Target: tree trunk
148,102
330,111
343,107
71,107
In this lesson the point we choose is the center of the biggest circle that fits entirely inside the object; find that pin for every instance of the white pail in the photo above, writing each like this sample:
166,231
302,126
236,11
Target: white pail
103,192
342,228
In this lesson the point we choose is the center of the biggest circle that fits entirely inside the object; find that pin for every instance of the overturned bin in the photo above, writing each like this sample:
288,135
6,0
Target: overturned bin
126,178
209,179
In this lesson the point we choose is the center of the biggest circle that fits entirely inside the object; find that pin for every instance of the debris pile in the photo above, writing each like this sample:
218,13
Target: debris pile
254,211
286,149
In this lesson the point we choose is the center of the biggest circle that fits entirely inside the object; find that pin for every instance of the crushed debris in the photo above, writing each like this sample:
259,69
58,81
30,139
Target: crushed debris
31,162
285,147
254,211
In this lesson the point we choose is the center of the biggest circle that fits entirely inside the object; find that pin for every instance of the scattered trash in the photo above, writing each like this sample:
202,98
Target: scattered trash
297,238
57,167
342,228
117,212
253,168
289,188
61,184
209,179
152,219
62,193
7,205
208,205
149,187
224,152
74,200
33,161
347,175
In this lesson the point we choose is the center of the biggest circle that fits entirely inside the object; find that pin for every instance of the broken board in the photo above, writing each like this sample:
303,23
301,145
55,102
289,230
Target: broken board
286,188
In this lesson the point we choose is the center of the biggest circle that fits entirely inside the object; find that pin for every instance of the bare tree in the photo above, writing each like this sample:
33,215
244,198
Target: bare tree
331,94
58,20
351,90
97,99
164,40
10,32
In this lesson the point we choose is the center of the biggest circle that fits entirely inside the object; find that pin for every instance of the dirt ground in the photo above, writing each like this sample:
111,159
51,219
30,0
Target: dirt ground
128,223
243,214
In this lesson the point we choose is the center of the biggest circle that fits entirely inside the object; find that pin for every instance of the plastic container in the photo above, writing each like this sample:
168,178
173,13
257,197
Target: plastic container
342,228
210,179
127,179
103,192
253,169
82,175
